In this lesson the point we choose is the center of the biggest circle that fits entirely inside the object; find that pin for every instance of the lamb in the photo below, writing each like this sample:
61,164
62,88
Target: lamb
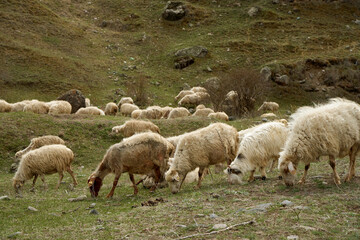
219,116
269,106
331,129
126,109
111,109
125,100
179,112
257,147
136,113
37,143
59,107
143,153
194,99
47,159
36,106
183,93
131,127
207,146
90,111
204,112
5,106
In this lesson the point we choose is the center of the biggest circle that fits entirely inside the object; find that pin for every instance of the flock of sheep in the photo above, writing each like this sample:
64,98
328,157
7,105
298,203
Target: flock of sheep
331,129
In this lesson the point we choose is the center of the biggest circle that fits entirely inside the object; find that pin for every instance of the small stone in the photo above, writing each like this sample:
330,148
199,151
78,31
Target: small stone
199,215
219,226
208,69
286,203
260,208
99,228
180,226
298,18
275,1
4,198
288,112
264,120
14,235
213,215
357,21
253,11
301,207
94,212
77,199
32,209
92,205
292,237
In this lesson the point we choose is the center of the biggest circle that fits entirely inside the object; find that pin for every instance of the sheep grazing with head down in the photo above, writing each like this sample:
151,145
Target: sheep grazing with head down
90,111
47,159
131,127
59,107
203,112
19,106
257,147
269,106
5,106
183,93
331,129
179,112
195,99
207,146
39,142
36,106
219,116
126,109
143,153
111,109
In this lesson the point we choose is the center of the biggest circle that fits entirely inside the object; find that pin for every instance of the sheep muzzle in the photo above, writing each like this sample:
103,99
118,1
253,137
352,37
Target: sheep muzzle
94,186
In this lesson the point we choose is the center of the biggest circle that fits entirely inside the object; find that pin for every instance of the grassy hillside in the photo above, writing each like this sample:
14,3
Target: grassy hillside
48,47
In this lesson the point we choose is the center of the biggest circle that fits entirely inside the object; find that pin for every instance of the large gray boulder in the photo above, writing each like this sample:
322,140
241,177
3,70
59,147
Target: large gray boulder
174,11
75,98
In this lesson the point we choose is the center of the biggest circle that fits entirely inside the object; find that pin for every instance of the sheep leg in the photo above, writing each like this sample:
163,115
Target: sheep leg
333,165
302,180
134,184
352,154
251,178
116,179
61,175
274,161
263,173
44,183
72,175
32,189
157,178
201,175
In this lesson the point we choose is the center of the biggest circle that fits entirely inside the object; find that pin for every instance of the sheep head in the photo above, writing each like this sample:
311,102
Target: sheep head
94,184
17,184
174,179
287,170
236,170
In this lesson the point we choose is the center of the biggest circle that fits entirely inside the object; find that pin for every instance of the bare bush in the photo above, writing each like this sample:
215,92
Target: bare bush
137,89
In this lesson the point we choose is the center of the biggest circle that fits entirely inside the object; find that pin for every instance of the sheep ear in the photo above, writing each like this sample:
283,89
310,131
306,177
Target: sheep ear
176,177
291,168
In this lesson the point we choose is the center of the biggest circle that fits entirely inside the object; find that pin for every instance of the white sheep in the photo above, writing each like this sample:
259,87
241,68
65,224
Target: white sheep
36,106
201,106
268,115
195,99
143,153
269,106
183,93
331,129
5,106
207,146
37,143
136,113
219,116
111,109
90,111
125,100
127,108
47,159
166,111
204,112
19,106
148,114
131,127
157,111
198,89
257,147
59,107
179,112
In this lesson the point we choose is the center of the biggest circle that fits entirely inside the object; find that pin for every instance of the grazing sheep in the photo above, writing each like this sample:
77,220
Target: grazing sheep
147,114
198,89
166,111
87,102
125,100
157,111
143,153
5,106
127,108
257,147
19,106
37,143
194,99
183,93
136,113
131,127
179,112
59,107
207,146
219,116
90,111
111,109
331,129
47,159
269,106
201,106
36,106
204,112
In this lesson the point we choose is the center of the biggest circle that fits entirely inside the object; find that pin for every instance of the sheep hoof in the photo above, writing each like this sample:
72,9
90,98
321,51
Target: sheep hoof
280,177
263,178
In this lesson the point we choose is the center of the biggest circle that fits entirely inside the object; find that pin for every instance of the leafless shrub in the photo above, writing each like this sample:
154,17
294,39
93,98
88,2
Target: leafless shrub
137,89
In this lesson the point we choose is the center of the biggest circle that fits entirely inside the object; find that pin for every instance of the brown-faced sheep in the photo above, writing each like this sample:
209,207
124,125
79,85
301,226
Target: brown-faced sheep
59,107
269,106
143,153
219,116
111,109
179,112
47,159
131,127
5,106
207,146
204,112
127,108
90,111
331,129
36,106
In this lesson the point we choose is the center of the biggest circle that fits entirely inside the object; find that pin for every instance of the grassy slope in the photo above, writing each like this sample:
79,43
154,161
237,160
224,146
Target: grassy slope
49,47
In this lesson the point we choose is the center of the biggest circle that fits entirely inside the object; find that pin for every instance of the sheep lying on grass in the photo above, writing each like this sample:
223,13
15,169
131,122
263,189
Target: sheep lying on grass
332,129
143,153
36,106
207,146
131,127
19,106
258,146
90,111
47,159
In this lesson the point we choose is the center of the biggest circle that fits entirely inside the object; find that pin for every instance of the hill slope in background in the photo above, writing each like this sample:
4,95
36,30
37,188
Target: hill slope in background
48,47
